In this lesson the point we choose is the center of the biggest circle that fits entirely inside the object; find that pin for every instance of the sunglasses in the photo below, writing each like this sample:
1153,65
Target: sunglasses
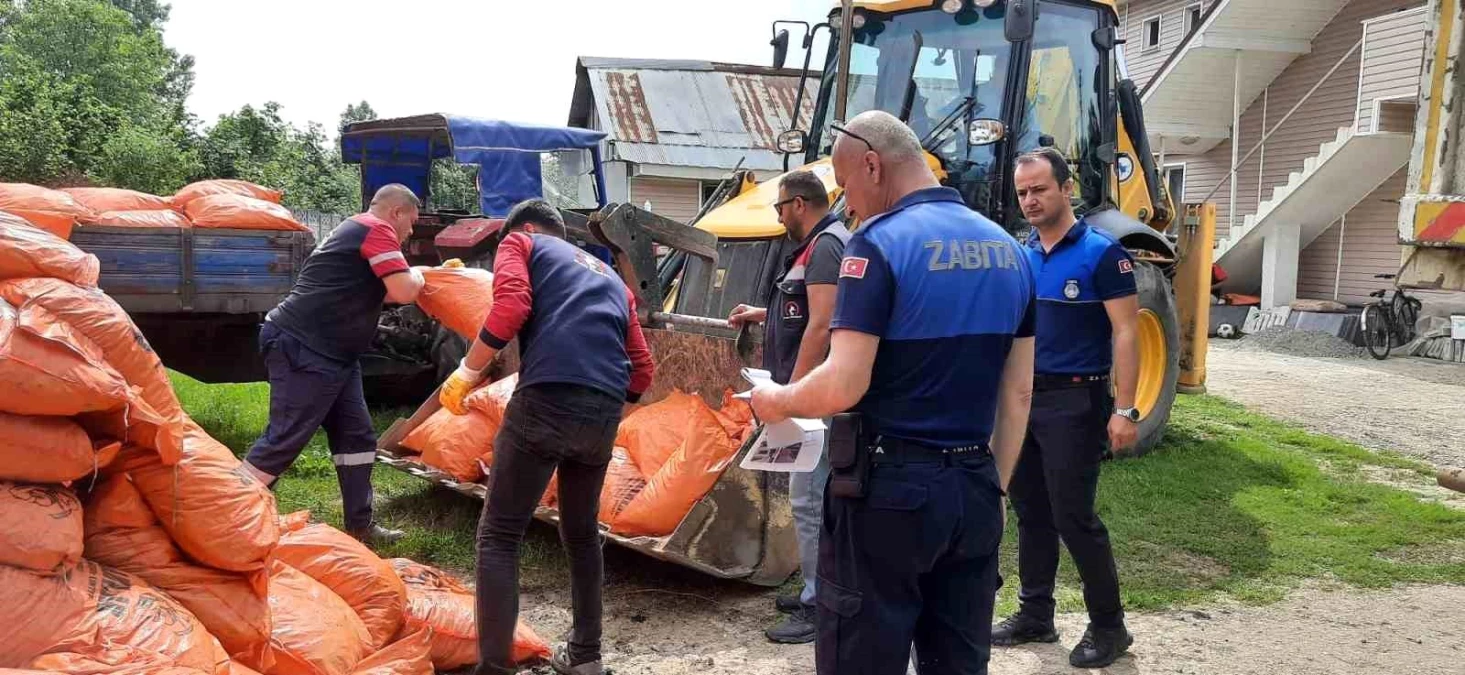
839,126
778,206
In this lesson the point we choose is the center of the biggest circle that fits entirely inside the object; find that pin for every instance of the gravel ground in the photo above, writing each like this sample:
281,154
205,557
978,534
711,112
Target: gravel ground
1411,406
1282,340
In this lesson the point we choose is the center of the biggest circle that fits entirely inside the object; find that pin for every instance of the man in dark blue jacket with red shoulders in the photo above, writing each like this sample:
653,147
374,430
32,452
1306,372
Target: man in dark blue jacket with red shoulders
582,360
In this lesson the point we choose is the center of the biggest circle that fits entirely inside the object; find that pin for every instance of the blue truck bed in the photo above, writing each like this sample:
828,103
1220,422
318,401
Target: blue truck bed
174,270
198,295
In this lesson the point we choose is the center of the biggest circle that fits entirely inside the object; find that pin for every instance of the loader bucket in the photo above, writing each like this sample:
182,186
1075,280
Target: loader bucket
741,529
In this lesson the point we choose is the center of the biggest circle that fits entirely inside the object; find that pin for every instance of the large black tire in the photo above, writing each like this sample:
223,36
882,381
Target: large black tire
1159,356
448,349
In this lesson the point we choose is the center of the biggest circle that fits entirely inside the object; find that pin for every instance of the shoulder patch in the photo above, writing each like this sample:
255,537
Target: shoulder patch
853,267
1125,266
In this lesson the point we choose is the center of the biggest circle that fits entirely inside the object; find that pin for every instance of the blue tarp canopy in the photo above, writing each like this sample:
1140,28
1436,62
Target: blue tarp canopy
507,154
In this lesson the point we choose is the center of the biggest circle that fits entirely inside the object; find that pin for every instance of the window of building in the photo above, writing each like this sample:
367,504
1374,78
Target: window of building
1150,40
1193,14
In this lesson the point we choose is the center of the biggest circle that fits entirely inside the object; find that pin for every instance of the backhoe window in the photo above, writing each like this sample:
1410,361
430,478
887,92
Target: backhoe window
1064,77
921,66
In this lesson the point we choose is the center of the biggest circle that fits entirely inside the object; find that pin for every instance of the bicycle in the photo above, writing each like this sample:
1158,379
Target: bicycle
1384,321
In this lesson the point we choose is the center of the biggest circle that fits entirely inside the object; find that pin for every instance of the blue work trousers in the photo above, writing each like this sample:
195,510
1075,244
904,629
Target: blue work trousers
913,562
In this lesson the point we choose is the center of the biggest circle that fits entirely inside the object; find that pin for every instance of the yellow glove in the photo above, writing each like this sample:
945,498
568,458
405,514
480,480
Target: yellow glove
456,388
452,263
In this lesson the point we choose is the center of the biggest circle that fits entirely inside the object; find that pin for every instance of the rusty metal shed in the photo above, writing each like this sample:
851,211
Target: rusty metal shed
674,126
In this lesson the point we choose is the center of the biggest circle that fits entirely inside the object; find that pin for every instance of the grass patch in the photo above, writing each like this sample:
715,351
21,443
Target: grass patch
1232,504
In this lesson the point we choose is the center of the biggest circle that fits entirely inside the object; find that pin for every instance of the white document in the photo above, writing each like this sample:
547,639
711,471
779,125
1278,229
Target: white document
793,445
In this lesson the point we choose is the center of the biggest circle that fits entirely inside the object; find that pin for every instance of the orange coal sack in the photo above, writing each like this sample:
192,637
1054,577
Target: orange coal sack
50,369
217,512
97,316
736,417
685,478
350,569
26,251
410,655
493,399
99,614
122,532
245,213
315,631
101,200
49,450
158,218
623,481
458,297
40,527
425,577
51,210
651,433
222,186
453,443
455,632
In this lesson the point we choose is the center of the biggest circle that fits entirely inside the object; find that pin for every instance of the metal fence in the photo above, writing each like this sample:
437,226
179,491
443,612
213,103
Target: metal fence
319,222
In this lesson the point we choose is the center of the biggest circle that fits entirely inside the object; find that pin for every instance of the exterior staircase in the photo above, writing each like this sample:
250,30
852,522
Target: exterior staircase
1345,171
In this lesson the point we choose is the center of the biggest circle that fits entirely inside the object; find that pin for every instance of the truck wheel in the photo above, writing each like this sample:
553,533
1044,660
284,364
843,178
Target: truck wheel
1159,356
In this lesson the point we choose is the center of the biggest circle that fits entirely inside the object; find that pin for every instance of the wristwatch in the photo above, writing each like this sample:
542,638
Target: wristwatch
1131,414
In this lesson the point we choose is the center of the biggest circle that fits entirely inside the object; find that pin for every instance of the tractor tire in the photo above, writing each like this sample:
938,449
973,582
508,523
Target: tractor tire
1159,357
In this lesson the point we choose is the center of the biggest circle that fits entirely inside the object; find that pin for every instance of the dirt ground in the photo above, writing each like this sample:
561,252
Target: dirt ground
1316,631
1412,406
665,620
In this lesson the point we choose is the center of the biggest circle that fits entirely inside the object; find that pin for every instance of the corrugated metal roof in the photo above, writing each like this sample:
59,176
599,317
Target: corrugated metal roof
690,113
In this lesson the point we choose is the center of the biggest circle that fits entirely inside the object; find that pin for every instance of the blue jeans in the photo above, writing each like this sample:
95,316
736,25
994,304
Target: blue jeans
806,496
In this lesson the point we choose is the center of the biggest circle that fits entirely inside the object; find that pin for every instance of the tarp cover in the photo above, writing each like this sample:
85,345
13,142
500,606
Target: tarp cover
507,153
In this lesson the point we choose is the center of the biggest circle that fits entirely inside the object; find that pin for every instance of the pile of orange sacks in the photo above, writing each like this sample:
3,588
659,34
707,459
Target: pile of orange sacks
667,455
133,542
222,203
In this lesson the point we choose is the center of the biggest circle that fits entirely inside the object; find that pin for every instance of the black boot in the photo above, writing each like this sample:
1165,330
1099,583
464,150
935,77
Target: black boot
1021,628
797,628
788,604
1100,647
376,535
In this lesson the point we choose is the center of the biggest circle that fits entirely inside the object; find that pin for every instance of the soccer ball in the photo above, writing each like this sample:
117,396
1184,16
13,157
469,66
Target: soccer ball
1227,331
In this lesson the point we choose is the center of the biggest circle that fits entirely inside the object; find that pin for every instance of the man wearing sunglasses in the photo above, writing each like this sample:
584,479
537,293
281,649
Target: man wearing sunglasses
794,341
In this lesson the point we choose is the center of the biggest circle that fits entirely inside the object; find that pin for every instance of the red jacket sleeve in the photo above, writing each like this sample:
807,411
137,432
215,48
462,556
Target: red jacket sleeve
642,366
513,296
380,250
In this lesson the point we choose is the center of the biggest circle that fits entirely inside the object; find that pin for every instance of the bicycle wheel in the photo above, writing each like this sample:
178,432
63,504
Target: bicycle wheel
1375,325
1408,317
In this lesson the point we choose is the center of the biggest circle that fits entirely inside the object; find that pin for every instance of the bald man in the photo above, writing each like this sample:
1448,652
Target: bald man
312,343
932,351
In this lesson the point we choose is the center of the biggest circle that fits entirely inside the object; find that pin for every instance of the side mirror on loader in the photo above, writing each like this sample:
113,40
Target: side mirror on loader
1022,17
791,142
780,48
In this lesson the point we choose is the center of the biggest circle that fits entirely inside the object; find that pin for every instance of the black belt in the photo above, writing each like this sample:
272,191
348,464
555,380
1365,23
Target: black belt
896,451
1041,381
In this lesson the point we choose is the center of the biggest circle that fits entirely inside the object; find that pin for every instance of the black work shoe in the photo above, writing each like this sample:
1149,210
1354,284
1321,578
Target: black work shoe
797,629
376,535
1020,629
788,604
560,662
1100,647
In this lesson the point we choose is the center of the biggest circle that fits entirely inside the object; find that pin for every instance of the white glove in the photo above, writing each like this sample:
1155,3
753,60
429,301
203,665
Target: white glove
417,276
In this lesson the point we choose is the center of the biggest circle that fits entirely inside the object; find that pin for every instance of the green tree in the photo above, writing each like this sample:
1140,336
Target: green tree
142,160
356,112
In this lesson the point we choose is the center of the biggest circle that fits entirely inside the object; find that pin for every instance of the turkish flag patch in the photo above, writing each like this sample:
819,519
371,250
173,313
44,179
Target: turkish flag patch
854,268
1126,267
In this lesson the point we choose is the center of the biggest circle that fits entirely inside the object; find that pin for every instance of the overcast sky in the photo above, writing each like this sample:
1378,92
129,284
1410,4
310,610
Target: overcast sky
505,59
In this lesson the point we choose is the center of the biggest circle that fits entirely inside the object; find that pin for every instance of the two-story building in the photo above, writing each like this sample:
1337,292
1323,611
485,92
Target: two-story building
1296,119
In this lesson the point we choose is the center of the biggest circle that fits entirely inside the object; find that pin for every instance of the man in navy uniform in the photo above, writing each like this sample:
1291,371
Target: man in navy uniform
932,348
1087,313
312,343
795,340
